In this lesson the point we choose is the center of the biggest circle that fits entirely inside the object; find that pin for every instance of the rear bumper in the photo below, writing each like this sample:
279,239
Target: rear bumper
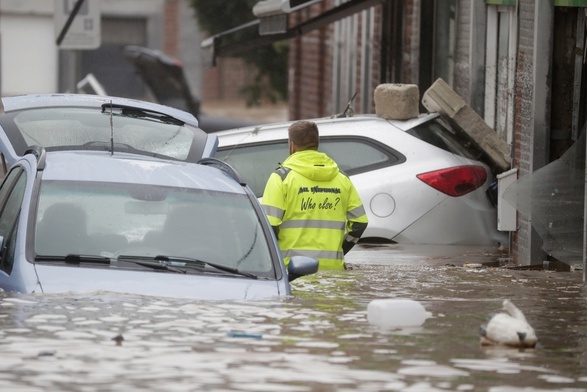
456,221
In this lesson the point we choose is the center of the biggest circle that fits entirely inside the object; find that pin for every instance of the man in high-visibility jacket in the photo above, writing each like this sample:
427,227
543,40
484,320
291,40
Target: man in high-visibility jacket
313,207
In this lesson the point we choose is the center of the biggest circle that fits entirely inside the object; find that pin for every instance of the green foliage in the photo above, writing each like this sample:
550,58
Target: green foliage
270,62
216,16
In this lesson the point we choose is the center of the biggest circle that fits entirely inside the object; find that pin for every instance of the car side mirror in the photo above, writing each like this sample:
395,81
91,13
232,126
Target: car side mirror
301,266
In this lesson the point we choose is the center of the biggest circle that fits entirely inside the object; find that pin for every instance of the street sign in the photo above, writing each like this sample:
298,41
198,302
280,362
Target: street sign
83,31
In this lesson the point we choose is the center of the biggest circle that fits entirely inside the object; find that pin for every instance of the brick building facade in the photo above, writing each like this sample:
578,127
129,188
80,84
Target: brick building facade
357,53
498,55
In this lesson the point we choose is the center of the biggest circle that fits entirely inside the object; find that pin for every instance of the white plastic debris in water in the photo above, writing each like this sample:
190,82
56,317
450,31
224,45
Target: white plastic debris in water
390,313
508,328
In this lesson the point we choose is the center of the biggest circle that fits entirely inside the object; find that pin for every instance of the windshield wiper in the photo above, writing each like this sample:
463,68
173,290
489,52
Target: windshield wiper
187,262
74,259
140,260
130,111
152,264
224,268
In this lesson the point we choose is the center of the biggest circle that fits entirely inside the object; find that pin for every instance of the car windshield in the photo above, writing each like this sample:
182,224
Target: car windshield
69,128
114,219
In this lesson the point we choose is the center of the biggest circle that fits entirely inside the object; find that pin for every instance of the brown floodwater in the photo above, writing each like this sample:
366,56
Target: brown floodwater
319,339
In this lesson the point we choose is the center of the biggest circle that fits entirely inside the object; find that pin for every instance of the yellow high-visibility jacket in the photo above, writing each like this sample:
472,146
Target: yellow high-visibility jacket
314,209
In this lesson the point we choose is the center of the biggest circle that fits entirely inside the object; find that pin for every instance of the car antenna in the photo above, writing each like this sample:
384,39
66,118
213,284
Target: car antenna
348,108
111,131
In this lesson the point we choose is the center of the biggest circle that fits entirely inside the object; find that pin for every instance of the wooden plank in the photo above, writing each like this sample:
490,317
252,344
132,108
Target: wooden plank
442,99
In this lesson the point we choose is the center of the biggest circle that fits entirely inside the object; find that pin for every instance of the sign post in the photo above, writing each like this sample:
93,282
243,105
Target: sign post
77,24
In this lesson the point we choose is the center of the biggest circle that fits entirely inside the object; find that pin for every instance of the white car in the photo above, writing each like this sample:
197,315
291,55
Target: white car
419,182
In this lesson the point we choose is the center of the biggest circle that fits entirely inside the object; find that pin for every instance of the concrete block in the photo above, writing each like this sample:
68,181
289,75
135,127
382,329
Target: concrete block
467,123
397,101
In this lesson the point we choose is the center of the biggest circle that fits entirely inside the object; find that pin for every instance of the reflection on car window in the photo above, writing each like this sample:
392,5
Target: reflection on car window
91,129
442,136
256,162
137,220
353,155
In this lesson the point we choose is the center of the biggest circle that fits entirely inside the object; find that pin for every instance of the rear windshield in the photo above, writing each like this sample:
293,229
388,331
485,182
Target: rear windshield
441,135
74,128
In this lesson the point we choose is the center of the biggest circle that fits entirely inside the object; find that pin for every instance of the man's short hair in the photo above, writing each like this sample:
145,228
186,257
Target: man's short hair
304,134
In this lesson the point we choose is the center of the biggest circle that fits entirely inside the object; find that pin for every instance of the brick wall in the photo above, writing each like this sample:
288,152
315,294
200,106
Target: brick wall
411,42
224,81
376,76
462,75
171,28
311,66
220,83
523,116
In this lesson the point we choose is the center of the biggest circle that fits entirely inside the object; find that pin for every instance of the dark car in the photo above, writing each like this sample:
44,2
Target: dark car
165,77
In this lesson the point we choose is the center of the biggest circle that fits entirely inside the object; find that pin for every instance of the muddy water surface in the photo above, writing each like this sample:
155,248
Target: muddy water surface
317,340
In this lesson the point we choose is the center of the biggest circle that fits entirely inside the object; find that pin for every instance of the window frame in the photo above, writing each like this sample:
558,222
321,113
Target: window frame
12,184
397,159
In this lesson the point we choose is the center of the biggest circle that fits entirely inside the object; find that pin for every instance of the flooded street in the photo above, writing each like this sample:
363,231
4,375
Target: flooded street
317,340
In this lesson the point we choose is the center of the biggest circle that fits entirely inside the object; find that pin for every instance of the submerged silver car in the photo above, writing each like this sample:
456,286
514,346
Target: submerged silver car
101,219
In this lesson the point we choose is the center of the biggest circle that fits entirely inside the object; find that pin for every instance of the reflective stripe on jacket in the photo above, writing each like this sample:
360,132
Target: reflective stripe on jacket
316,208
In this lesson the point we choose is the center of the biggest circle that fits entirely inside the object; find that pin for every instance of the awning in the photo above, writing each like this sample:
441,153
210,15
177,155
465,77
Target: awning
227,43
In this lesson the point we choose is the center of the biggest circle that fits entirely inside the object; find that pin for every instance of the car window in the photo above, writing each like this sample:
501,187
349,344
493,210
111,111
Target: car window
7,185
354,155
138,220
11,195
255,162
87,128
357,155
441,135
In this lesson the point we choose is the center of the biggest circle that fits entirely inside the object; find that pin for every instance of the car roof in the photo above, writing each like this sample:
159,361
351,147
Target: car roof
15,139
355,122
98,166
31,101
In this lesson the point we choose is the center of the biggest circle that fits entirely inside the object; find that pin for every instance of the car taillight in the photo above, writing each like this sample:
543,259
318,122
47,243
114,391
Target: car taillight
456,181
